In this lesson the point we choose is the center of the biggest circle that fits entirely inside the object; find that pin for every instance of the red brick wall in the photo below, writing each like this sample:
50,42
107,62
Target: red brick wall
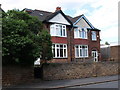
70,41
59,39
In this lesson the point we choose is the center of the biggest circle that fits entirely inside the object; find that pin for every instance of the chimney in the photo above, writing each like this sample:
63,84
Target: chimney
58,8
0,5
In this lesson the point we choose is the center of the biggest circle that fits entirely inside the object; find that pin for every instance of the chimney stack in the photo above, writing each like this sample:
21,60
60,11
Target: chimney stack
0,5
58,8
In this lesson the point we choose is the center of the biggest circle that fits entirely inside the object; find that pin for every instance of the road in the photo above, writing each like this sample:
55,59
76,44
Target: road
113,84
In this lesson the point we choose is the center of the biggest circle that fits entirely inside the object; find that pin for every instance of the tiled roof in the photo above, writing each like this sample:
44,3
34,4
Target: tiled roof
43,15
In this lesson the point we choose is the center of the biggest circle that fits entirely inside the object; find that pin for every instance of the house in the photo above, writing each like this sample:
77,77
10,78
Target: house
74,39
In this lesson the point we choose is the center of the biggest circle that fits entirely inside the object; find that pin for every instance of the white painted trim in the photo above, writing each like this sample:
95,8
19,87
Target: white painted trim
86,20
82,52
59,50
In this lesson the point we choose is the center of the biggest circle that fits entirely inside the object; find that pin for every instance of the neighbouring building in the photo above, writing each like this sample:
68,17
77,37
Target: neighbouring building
73,38
110,52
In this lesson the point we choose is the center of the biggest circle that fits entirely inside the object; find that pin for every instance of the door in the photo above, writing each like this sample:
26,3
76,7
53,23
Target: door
95,56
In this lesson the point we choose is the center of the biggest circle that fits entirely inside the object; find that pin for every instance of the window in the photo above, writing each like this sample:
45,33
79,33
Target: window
81,51
94,36
80,33
59,50
58,30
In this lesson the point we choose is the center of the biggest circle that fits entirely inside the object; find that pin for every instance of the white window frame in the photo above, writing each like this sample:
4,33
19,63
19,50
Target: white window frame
80,33
58,30
94,35
64,48
81,51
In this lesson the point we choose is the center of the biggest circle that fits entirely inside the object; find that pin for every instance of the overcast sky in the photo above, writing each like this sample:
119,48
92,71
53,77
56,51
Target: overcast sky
103,14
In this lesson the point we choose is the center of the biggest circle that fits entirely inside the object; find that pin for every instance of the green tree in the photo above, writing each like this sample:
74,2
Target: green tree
23,38
106,43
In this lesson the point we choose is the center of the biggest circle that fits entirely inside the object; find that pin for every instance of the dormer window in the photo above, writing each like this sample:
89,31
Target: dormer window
58,30
80,33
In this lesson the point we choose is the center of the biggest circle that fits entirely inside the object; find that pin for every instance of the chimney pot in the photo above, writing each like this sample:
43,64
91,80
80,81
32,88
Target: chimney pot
58,8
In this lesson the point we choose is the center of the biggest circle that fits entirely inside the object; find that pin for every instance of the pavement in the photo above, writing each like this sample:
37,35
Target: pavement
57,84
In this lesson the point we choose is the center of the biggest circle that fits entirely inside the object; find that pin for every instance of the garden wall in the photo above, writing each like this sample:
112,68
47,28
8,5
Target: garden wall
78,70
14,75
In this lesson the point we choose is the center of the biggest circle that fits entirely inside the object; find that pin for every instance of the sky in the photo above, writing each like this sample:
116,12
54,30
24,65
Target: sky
103,14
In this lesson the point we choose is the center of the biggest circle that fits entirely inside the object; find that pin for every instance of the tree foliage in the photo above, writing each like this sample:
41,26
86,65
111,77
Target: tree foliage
106,43
24,39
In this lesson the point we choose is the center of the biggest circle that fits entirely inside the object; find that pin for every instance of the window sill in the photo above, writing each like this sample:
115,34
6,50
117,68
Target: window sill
80,38
59,36
82,57
59,57
94,40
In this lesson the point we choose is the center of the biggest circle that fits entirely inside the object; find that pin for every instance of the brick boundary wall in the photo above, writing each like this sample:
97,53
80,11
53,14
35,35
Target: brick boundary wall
78,70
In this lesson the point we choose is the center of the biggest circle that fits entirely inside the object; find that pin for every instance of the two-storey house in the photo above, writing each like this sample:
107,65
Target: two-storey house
74,39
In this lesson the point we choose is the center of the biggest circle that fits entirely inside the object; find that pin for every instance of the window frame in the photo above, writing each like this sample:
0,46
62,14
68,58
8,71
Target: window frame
80,32
64,48
81,51
94,35
59,31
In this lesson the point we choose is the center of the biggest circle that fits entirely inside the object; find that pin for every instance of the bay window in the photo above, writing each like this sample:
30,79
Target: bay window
81,51
59,50
58,30
80,33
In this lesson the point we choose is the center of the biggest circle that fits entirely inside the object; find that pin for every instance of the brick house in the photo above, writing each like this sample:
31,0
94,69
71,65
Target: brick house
74,39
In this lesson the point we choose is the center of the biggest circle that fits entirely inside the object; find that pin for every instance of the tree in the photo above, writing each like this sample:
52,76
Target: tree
23,38
106,43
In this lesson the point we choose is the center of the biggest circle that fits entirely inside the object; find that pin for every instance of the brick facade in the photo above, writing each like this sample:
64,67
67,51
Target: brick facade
59,18
71,42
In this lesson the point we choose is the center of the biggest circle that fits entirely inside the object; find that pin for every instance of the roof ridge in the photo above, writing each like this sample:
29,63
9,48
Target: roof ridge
43,11
79,16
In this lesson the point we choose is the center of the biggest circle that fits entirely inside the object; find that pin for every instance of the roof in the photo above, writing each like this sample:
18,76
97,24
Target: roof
45,16
76,18
42,15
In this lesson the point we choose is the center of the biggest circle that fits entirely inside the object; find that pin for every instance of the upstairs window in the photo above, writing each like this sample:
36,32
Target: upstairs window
80,33
94,38
58,30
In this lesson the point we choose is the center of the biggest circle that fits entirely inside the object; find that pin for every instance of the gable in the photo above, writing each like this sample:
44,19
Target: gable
83,22
59,18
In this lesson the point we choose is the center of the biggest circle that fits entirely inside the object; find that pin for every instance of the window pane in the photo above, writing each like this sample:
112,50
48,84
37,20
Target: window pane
65,53
61,52
61,46
64,46
81,53
94,35
57,45
58,54
53,52
77,51
63,32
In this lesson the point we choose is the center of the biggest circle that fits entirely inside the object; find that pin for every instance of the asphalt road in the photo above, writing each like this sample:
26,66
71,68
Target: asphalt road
113,84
